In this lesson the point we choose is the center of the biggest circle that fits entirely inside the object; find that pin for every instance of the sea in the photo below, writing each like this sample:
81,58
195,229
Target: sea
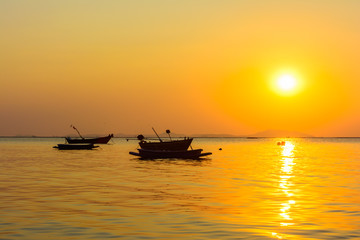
305,188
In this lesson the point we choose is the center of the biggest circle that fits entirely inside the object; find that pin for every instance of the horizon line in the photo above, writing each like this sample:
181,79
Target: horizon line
193,136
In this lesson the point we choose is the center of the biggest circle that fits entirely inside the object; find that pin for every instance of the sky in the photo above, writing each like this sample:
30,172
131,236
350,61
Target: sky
195,67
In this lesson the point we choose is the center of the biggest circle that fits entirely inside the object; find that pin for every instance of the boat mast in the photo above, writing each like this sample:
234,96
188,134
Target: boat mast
168,132
157,134
77,131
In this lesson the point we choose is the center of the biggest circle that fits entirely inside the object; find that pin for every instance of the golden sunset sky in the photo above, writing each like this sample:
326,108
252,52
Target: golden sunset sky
194,67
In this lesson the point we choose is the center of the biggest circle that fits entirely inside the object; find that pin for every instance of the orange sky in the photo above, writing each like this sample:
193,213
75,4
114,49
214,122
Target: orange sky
190,66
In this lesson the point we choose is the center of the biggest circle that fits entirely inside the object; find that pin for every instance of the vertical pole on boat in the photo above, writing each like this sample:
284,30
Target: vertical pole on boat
168,132
157,134
77,131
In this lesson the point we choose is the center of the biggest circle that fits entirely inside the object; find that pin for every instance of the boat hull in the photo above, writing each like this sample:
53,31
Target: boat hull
86,146
161,154
100,140
175,145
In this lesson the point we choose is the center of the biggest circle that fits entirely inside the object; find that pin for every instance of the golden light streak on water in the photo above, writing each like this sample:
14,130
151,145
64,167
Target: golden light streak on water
285,183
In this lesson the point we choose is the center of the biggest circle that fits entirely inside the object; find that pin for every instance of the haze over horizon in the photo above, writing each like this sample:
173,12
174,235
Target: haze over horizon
195,67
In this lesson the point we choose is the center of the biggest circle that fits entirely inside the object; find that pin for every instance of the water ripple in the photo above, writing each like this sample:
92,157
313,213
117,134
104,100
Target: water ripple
253,189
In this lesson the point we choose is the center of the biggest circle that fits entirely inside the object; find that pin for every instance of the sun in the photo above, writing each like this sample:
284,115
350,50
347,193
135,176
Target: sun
286,82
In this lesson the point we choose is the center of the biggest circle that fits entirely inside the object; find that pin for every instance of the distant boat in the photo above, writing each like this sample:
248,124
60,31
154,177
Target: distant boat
82,146
99,140
158,154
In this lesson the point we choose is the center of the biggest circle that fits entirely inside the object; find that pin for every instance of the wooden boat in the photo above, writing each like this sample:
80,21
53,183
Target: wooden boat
159,154
167,149
81,146
99,140
172,145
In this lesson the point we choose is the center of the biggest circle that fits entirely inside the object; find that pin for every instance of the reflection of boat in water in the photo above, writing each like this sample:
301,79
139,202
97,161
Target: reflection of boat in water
99,140
158,154
81,146
167,149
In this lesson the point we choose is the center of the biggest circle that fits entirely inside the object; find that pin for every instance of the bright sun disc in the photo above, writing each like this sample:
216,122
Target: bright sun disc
286,82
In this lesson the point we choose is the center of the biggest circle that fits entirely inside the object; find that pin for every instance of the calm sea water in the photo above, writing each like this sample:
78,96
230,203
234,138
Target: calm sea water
252,189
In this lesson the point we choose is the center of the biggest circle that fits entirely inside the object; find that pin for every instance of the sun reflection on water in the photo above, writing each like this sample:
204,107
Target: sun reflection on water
285,182
276,235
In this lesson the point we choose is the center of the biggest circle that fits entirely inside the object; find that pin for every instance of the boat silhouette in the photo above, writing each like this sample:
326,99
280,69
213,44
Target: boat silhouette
81,146
99,140
167,149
